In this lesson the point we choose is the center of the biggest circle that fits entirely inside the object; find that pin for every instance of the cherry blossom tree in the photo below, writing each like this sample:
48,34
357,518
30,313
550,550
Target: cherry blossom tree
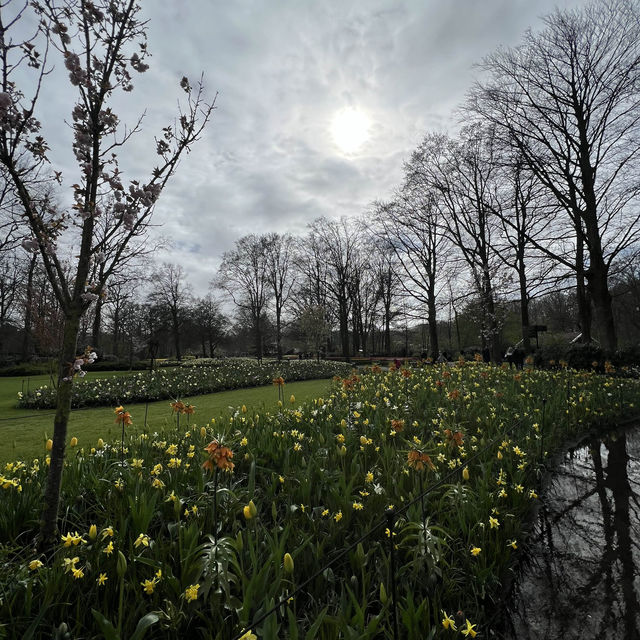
101,44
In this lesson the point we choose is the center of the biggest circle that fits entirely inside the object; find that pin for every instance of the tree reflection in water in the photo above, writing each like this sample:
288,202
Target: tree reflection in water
581,581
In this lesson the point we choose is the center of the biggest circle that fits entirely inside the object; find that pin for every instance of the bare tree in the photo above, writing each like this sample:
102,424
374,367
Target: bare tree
568,98
387,273
463,175
172,293
312,321
130,266
12,274
412,228
243,276
210,324
336,243
281,275
100,44
364,293
527,213
312,292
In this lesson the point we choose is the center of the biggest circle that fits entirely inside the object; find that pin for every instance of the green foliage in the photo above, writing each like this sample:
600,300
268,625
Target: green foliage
170,568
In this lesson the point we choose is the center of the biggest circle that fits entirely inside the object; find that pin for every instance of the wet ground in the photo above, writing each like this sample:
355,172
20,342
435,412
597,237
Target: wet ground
582,578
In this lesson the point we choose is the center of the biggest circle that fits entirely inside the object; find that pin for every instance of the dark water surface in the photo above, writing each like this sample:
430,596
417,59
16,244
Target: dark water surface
582,579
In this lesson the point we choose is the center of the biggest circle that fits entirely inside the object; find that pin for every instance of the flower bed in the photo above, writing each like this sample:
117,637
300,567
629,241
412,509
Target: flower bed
191,380
207,552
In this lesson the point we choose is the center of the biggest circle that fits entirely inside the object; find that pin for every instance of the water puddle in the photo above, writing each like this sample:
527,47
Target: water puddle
582,578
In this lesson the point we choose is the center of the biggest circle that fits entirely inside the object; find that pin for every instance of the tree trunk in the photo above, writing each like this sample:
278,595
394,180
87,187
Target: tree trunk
344,330
26,338
279,333
524,305
597,274
49,522
584,306
116,330
97,324
387,331
603,311
258,335
433,329
490,329
176,336
355,332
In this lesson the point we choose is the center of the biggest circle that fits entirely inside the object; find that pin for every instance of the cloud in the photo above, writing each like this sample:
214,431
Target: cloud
282,69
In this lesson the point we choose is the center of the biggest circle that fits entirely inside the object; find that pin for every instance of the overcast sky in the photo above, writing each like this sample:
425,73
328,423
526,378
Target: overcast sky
319,103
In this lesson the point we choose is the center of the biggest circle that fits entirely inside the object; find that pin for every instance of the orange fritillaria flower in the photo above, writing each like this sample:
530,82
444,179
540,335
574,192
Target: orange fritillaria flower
122,417
455,439
453,395
189,409
278,382
397,425
218,456
406,373
347,384
177,406
350,383
418,460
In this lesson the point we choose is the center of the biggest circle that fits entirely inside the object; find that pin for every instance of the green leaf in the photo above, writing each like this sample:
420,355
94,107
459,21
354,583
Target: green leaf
143,624
108,630
293,625
313,630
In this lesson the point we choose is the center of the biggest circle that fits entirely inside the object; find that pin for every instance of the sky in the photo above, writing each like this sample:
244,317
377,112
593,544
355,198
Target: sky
318,105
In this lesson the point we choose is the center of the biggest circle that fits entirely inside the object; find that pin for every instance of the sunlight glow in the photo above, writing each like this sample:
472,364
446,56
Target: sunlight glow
350,129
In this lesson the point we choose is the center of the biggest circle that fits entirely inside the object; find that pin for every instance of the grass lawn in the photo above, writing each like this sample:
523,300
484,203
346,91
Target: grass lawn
24,431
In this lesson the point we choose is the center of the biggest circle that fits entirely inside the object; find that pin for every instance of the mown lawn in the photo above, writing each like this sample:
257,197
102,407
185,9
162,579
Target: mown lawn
25,431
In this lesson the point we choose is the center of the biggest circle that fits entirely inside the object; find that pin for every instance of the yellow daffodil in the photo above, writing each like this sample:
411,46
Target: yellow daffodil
142,540
469,631
191,592
149,585
107,532
448,622
475,551
68,539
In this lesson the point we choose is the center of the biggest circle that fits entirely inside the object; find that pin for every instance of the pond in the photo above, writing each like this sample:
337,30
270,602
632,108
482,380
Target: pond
582,576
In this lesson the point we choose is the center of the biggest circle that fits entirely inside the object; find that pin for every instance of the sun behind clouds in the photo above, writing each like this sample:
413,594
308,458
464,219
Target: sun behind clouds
350,129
